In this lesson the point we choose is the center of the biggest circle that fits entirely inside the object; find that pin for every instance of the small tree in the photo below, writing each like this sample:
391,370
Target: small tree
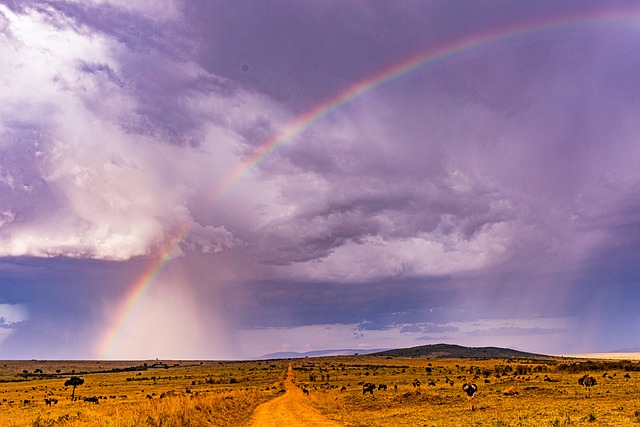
74,382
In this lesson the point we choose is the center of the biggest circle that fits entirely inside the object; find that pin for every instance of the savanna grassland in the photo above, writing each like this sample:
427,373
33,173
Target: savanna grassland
543,392
511,392
151,393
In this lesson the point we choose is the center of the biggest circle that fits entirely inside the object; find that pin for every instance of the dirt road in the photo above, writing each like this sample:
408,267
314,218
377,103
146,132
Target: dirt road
289,410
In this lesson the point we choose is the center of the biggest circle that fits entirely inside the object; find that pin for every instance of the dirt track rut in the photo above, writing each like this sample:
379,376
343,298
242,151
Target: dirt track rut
289,410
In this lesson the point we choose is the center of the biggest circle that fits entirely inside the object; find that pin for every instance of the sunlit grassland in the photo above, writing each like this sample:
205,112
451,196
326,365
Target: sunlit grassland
182,393
171,394
548,392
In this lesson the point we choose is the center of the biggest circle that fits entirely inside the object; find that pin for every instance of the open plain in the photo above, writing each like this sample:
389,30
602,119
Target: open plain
340,390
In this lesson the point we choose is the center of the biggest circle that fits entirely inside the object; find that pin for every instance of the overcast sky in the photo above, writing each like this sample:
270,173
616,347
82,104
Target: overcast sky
488,197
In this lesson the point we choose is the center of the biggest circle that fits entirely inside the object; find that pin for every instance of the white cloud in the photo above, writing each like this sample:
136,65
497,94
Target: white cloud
426,254
160,10
11,314
103,191
6,217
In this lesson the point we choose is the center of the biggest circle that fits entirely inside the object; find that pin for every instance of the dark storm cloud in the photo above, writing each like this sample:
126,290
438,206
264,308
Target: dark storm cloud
506,331
65,300
552,142
102,68
379,201
329,53
429,328
276,304
336,43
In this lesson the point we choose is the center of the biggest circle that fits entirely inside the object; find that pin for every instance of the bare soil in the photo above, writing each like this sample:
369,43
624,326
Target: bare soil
290,409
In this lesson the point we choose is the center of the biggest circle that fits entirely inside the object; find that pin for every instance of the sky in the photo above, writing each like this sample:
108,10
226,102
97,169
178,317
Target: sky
204,179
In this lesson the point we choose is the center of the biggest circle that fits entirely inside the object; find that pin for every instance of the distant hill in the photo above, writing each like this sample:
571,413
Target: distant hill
458,351
627,350
318,353
425,351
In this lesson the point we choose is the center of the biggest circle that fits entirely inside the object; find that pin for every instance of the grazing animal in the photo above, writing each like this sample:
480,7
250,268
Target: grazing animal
382,387
48,402
93,399
368,387
416,383
470,389
343,388
305,391
587,382
432,383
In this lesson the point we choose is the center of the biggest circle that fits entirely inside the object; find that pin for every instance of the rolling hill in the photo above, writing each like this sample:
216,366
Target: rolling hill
458,351
425,351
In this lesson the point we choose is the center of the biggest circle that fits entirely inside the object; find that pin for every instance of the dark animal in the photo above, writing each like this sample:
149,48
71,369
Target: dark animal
343,388
93,399
587,382
305,391
368,387
48,402
432,383
470,389
382,387
416,383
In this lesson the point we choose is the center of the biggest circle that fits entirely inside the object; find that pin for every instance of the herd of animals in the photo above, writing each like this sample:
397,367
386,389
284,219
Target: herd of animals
52,401
469,388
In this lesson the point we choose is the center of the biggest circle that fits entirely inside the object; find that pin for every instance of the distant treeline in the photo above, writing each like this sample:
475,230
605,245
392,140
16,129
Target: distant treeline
599,365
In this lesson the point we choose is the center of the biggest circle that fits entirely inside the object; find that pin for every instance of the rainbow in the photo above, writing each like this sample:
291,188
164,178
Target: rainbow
408,65
138,290
382,77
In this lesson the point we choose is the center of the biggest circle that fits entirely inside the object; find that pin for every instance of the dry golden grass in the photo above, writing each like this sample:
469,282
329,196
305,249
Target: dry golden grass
226,393
548,392
189,393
